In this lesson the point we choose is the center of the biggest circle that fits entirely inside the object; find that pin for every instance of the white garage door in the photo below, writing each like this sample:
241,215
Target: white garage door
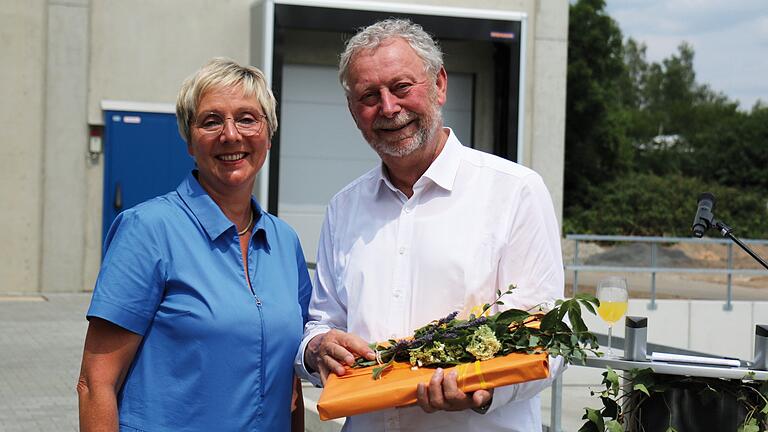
321,149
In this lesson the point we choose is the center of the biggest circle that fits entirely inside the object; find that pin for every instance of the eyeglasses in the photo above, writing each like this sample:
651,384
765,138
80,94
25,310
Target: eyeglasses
246,124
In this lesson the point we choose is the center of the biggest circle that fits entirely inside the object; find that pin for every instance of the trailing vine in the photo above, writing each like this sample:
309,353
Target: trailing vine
623,403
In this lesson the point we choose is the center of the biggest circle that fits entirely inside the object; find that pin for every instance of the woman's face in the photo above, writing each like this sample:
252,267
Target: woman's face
229,140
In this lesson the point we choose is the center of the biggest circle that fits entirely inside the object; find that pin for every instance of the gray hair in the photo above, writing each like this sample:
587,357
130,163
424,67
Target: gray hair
374,35
221,73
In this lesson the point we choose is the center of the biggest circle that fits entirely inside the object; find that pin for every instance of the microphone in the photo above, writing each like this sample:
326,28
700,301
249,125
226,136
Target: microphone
704,215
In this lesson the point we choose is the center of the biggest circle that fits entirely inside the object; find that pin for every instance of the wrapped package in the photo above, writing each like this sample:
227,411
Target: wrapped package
357,392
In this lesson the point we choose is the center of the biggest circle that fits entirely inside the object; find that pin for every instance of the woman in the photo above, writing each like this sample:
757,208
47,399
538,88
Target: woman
200,303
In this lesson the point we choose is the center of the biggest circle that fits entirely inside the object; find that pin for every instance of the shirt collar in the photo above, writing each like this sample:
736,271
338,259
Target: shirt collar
442,171
444,168
208,213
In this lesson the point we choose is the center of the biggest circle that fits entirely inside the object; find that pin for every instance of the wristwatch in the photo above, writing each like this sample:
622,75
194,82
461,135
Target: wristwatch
484,408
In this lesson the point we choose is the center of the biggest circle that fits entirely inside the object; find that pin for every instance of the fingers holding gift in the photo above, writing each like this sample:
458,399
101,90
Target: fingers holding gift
443,393
333,351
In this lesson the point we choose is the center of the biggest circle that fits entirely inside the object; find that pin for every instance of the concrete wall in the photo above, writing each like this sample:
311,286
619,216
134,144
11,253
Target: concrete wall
69,55
697,325
65,155
22,118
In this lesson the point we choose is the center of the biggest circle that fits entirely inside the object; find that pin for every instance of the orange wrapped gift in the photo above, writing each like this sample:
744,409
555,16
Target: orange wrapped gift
357,392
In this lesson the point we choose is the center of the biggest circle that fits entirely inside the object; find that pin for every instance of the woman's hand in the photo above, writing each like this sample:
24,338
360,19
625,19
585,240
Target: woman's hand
108,353
297,406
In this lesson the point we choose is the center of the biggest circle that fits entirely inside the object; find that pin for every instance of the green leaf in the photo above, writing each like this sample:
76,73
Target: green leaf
511,315
611,407
750,426
588,426
574,316
614,426
533,341
612,380
595,417
642,388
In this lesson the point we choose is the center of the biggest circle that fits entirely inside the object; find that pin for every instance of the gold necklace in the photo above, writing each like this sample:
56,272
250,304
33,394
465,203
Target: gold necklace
250,222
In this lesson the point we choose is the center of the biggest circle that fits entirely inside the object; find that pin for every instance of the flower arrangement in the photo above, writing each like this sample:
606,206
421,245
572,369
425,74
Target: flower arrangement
451,341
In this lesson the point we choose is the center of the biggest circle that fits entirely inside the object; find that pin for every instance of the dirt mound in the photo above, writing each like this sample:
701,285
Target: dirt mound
639,255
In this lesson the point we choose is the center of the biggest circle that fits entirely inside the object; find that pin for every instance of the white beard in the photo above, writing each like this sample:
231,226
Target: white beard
428,127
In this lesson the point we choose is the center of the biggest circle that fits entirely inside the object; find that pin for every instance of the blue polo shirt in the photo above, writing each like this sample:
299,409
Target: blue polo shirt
216,354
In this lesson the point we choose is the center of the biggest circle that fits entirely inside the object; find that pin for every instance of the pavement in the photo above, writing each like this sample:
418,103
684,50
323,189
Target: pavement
41,343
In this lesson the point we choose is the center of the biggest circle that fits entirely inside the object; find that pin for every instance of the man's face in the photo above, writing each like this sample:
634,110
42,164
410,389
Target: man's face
395,103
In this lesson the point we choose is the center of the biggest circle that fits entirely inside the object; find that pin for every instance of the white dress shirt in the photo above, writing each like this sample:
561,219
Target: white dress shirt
387,264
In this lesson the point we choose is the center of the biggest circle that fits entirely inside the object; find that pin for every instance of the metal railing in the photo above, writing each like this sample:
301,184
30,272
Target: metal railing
653,268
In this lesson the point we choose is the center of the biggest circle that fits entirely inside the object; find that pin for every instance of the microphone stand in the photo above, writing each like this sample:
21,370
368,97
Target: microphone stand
726,231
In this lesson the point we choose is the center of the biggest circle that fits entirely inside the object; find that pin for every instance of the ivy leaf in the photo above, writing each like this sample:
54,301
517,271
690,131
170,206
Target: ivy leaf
588,426
611,409
750,426
595,417
614,426
642,388
612,380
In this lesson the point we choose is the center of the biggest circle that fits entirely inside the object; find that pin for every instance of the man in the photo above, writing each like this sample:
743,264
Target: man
436,228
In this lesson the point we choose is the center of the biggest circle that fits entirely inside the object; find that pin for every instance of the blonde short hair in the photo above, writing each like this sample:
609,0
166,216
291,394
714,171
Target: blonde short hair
221,73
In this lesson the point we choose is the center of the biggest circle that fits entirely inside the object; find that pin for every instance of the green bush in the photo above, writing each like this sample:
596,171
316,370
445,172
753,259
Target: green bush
651,205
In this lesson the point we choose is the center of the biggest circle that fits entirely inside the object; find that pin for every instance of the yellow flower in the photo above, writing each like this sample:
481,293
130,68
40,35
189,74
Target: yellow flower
477,311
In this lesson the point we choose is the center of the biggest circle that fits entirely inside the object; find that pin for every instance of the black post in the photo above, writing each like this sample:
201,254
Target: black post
726,231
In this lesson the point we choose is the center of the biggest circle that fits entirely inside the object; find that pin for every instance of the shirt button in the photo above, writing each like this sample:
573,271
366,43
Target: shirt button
401,250
407,209
397,294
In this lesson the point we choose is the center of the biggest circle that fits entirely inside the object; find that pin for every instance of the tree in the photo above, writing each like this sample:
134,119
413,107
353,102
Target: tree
596,149
642,137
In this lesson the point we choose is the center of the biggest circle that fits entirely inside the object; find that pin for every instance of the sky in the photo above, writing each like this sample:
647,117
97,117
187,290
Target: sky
729,39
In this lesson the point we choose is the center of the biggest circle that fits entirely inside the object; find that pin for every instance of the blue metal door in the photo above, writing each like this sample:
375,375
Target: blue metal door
144,157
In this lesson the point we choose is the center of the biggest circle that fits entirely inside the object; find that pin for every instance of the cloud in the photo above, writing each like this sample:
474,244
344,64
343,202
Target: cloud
730,39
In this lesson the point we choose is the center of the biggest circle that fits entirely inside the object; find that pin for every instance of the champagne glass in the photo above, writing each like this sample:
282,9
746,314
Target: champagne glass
612,293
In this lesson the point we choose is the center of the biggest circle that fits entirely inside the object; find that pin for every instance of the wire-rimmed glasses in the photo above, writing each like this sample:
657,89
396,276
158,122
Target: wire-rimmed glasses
247,124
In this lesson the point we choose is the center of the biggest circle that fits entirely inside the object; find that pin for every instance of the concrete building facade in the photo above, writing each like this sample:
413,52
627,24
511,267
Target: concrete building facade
62,58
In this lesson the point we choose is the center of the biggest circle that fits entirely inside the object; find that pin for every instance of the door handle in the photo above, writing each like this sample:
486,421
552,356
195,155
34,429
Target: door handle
118,203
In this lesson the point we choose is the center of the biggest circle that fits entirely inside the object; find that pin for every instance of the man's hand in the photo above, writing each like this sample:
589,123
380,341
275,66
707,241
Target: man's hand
443,393
331,351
